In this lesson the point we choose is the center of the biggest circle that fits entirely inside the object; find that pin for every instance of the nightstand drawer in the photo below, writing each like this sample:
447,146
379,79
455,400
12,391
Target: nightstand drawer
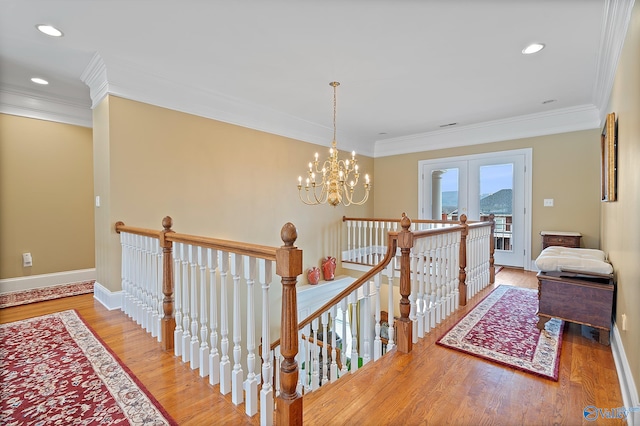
560,239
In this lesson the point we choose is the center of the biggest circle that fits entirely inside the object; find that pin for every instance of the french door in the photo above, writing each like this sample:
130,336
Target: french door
478,186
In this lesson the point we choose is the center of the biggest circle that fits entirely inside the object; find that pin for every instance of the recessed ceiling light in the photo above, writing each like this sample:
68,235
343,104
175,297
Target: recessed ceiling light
532,48
49,30
38,80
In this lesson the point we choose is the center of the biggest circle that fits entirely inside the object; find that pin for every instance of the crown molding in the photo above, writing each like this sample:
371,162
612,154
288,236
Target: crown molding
31,104
129,81
525,126
95,76
615,22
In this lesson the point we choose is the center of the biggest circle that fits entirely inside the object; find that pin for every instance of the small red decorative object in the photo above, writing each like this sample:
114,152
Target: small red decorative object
313,275
329,268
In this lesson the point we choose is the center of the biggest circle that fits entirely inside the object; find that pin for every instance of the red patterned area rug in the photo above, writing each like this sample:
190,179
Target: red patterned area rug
55,370
47,293
503,328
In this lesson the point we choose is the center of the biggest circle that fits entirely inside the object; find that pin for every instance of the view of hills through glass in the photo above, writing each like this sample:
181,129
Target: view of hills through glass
496,190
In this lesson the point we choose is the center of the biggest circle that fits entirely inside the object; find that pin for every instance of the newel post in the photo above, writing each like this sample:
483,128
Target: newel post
404,325
289,266
492,248
168,323
462,278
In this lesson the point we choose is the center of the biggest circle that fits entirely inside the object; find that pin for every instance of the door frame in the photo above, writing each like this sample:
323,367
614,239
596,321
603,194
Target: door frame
528,185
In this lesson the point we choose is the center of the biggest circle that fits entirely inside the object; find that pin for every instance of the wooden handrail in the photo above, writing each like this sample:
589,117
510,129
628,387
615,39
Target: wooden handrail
369,219
248,249
152,233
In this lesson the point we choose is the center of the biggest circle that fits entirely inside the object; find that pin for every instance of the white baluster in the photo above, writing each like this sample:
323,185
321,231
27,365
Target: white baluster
177,282
194,343
456,269
433,286
343,352
203,353
349,244
333,369
377,343
366,327
136,279
123,271
419,247
413,298
353,302
225,364
155,279
160,302
359,241
452,272
439,279
186,320
306,360
376,246
278,362
237,375
266,393
131,265
251,384
315,375
141,281
148,283
390,308
325,355
214,355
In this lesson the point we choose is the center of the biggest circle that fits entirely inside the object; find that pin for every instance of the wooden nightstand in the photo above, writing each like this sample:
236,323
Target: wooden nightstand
560,238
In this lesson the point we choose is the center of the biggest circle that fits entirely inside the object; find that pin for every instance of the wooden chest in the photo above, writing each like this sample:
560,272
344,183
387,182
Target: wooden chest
576,299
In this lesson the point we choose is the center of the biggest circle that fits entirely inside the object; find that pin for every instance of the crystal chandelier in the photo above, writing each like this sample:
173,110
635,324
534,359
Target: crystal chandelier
339,177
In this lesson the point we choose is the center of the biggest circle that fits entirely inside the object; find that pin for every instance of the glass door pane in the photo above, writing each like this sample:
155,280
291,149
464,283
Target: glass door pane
496,196
449,194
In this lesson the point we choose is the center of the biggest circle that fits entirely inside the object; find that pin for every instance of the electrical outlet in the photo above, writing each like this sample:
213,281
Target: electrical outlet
548,202
27,260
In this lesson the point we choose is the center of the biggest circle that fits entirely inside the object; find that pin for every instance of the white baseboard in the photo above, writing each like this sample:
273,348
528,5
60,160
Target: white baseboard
10,285
109,299
627,384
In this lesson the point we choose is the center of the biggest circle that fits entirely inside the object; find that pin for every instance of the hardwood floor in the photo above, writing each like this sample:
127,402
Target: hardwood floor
432,385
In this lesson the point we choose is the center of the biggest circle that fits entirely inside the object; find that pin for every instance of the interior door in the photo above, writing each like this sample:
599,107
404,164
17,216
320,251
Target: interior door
478,186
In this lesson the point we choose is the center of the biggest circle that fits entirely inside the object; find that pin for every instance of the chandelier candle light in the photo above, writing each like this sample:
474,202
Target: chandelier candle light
339,177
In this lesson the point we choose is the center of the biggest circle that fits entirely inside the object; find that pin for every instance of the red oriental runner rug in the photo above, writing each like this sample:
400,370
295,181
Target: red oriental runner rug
55,370
47,293
503,328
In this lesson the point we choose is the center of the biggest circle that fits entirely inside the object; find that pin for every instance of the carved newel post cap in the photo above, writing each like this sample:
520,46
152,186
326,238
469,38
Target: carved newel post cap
463,218
167,222
405,222
289,234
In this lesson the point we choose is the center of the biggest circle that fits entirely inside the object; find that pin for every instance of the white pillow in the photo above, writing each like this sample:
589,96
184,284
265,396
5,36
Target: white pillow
574,259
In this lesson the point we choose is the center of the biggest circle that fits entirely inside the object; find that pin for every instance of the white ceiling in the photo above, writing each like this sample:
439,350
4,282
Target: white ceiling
406,67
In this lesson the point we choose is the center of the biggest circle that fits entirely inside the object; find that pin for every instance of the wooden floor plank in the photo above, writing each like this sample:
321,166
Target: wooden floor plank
432,385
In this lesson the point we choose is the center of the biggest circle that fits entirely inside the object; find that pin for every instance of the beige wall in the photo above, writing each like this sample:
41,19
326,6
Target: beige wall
46,196
566,167
213,179
620,223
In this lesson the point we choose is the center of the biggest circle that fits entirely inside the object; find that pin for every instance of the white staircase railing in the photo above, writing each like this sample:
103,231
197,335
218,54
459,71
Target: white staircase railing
221,303
208,301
